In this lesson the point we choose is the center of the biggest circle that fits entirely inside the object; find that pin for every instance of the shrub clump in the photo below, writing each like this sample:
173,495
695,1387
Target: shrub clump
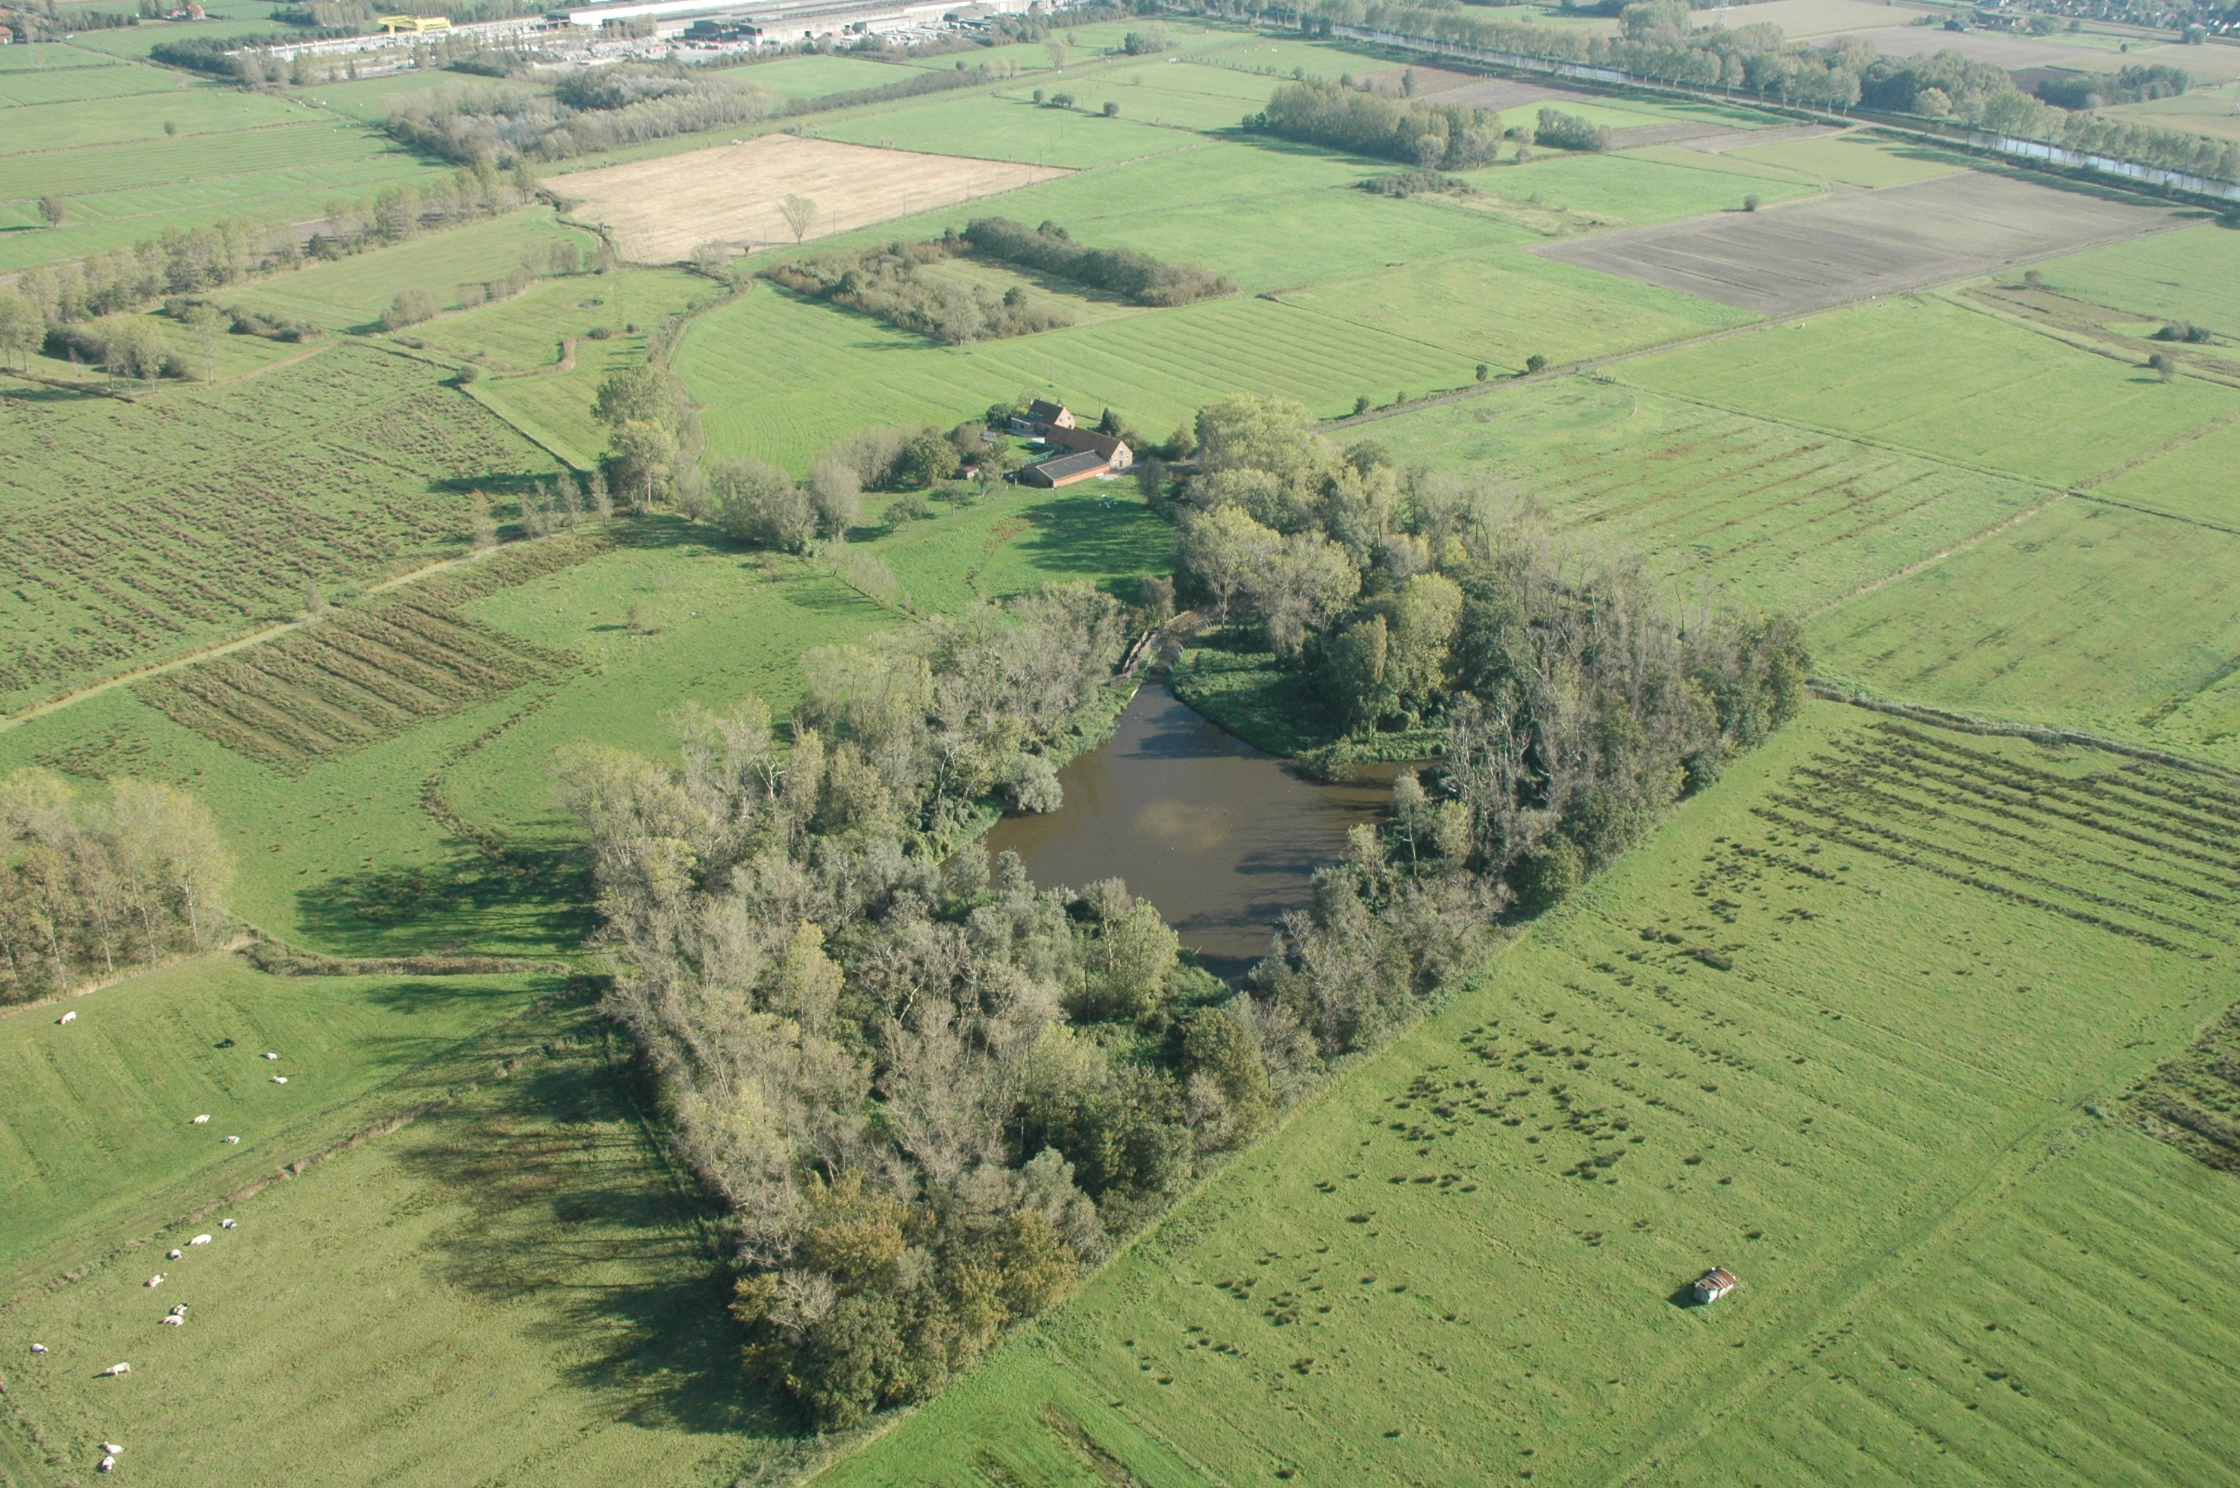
889,283
1139,277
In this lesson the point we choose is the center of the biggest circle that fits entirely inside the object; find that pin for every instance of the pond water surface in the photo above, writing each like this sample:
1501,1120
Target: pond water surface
1222,837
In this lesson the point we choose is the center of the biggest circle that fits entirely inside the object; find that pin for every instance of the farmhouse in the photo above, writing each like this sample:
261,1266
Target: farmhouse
1713,1284
1064,470
1041,417
1115,451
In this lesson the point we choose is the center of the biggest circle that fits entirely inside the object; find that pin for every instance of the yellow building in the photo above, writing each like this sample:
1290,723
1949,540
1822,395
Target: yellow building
396,23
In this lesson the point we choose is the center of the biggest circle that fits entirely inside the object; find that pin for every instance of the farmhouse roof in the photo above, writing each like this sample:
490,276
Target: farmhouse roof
1056,415
1089,439
1061,470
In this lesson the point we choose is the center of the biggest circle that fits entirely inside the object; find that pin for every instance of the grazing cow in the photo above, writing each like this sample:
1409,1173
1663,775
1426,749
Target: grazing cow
156,1280
226,1224
279,1079
116,1369
111,1448
174,1320
108,1463
202,1121
67,1018
231,1141
200,1240
179,1310
271,1056
38,1348
172,1255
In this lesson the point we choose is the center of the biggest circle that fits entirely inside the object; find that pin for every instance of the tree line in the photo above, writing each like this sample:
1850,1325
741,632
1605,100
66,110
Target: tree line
96,882
1139,277
622,105
1576,705
928,1092
188,261
1658,40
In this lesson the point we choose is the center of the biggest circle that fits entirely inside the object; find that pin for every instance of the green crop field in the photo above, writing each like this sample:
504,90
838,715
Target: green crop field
2094,616
526,333
64,129
1745,510
140,529
1855,1025
1991,394
811,76
351,293
2198,479
1860,159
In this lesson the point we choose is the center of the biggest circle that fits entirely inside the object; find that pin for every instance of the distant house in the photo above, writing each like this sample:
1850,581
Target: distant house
1712,1285
1115,451
1064,470
1041,417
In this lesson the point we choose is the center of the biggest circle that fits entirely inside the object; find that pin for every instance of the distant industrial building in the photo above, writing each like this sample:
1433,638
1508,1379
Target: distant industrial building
785,21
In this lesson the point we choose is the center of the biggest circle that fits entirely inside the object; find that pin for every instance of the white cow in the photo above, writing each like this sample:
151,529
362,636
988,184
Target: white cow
231,1141
67,1018
111,1447
271,1056
108,1463
180,1310
38,1348
156,1280
174,1320
116,1369
279,1079
200,1240
226,1224
202,1120
172,1255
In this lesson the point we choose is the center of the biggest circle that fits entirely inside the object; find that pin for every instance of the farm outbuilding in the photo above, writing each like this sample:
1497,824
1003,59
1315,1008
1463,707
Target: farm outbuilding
1042,418
1115,450
1064,470
1713,1284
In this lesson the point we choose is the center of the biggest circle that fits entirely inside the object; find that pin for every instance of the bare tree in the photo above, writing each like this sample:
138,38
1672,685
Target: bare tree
800,214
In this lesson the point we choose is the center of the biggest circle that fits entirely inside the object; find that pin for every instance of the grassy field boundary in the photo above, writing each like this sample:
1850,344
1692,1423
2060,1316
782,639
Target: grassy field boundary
1858,697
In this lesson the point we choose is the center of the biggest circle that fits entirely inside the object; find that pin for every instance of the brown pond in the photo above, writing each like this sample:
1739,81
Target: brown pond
1222,837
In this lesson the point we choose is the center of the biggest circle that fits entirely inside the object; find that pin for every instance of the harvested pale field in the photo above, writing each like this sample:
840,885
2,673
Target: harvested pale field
1857,244
660,210
1508,93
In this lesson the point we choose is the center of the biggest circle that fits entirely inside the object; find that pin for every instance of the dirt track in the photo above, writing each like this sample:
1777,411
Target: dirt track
660,210
1856,244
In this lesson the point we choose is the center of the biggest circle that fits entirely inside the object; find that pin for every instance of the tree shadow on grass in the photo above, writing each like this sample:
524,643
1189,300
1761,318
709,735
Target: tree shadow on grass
531,897
575,1217
1103,532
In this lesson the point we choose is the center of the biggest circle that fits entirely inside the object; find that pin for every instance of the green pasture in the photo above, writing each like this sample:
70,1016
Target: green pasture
999,126
49,56
1860,159
138,41
350,293
1976,390
1505,306
1853,1024
371,99
303,139
97,1130
234,356
515,1286
1178,94
2087,615
780,376
198,109
2198,480
106,220
2184,275
2203,111
1725,507
525,333
20,87
1636,187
